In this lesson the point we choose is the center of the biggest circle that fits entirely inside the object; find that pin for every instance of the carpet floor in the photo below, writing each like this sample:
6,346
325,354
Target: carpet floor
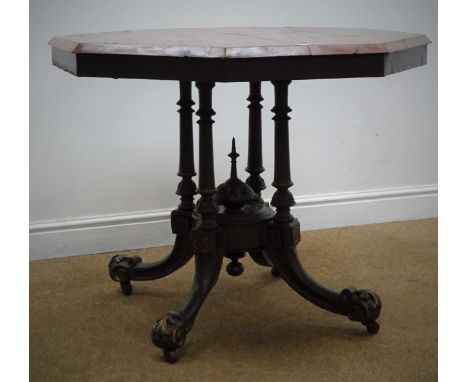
251,328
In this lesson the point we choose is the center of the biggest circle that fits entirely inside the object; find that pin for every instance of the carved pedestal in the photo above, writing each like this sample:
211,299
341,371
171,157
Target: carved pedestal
232,220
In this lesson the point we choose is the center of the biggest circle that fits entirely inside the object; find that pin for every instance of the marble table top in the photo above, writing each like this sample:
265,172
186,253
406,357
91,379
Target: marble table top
240,42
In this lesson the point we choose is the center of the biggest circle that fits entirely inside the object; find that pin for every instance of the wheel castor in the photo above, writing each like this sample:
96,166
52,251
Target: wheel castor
274,272
373,327
126,287
234,268
170,356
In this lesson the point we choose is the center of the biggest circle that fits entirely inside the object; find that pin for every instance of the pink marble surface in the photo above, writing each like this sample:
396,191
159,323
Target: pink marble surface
241,42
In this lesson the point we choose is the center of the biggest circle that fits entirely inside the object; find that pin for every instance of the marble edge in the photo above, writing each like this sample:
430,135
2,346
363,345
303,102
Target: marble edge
241,52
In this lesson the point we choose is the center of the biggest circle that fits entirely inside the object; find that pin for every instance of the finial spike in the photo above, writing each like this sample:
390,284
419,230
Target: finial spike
233,155
233,148
234,193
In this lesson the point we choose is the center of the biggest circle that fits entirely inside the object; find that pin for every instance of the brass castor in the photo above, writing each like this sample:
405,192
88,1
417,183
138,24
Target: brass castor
126,287
372,327
170,356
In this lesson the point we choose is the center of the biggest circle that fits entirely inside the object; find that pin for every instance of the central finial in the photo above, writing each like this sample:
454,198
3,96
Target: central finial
233,155
234,193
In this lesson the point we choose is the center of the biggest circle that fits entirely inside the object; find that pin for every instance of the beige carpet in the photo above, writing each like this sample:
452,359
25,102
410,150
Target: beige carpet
251,328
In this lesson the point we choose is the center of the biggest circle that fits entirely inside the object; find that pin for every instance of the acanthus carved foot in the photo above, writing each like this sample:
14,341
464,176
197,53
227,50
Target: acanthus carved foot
120,268
363,306
169,334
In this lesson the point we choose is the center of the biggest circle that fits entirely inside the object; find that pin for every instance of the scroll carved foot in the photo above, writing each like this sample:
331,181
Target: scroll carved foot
169,334
120,268
363,306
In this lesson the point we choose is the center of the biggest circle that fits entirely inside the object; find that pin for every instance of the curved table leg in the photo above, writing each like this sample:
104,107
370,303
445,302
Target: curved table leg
284,234
359,305
124,269
170,332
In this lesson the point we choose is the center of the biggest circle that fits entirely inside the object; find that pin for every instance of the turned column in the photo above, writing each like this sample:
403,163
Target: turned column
206,180
282,198
254,161
186,188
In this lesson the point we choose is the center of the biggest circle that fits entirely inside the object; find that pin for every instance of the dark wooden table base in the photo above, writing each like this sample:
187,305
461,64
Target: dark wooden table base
232,219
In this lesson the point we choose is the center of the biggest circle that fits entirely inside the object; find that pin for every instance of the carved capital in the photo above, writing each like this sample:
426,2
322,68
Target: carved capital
282,198
255,181
186,189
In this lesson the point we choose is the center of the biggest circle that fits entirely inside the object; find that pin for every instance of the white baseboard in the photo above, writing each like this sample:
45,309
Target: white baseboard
152,228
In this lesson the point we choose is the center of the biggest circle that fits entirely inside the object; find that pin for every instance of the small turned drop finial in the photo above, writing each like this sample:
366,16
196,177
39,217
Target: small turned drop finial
235,268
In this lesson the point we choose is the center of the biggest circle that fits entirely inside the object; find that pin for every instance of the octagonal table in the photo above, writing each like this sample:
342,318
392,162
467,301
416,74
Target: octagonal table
232,219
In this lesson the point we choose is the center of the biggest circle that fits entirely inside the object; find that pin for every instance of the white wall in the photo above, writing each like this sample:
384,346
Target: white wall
103,153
